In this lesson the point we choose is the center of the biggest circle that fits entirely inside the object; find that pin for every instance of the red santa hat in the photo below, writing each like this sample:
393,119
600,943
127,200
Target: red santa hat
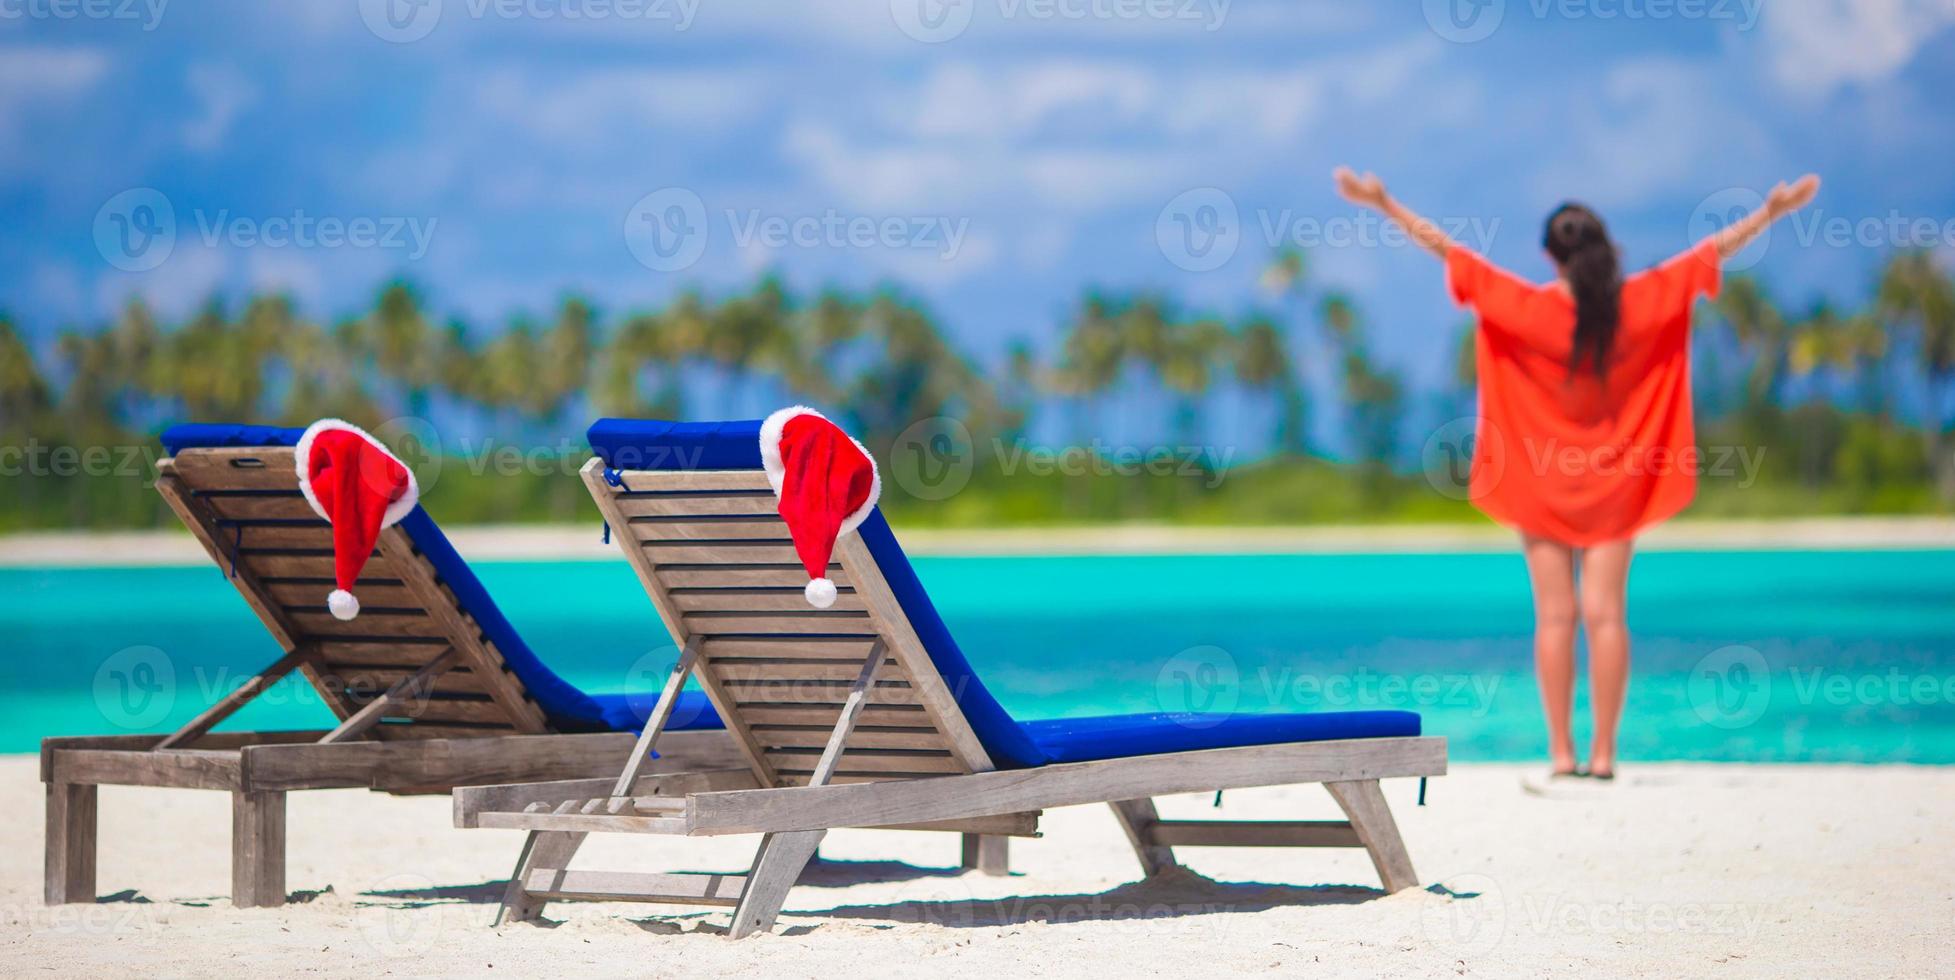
352,481
827,485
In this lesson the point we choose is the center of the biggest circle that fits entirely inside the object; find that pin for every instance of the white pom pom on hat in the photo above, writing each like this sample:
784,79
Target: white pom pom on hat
820,592
342,604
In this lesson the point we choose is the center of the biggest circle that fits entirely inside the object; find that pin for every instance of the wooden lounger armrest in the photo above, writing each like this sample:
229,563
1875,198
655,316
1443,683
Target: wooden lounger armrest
472,801
913,801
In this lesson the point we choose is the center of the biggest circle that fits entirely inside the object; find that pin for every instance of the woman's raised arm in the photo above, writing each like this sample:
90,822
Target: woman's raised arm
1368,191
1783,200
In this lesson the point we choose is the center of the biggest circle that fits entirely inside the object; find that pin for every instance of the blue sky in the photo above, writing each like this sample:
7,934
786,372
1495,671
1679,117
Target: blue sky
1021,151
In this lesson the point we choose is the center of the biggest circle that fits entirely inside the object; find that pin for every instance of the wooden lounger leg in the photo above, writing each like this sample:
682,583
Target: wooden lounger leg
775,869
987,853
1137,818
257,849
541,849
1371,817
782,856
70,867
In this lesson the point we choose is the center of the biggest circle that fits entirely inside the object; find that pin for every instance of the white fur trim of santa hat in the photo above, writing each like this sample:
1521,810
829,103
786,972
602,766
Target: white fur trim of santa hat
770,460
395,511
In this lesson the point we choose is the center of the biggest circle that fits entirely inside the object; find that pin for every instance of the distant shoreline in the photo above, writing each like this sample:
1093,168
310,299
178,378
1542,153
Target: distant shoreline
569,542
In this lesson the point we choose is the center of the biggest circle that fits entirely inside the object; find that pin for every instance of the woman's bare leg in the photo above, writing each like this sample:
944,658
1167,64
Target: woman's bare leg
1551,569
1604,595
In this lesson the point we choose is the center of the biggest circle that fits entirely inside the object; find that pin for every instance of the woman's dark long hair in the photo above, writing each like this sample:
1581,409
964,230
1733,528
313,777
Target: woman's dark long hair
1576,239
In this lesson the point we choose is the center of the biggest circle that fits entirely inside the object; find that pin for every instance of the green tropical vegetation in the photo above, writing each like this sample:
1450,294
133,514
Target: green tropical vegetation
1844,403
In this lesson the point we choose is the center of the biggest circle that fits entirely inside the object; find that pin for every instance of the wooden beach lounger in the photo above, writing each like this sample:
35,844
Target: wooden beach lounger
432,687
867,714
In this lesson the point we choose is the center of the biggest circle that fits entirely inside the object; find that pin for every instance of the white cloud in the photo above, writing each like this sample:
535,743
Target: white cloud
222,93
1080,135
285,271
604,104
40,82
1659,127
908,176
57,285
176,288
962,100
1819,45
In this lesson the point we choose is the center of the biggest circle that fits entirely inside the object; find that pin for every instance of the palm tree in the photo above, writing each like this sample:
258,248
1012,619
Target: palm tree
1757,324
563,359
748,336
1262,364
916,375
1185,368
25,396
405,347
1916,295
1340,319
1852,346
1466,368
1284,274
1090,359
1373,397
325,379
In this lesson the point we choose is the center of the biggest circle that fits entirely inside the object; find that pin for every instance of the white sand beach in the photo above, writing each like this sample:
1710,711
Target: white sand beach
560,542
1677,870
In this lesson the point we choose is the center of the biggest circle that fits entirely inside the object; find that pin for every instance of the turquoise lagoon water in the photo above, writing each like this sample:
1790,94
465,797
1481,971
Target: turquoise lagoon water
1780,656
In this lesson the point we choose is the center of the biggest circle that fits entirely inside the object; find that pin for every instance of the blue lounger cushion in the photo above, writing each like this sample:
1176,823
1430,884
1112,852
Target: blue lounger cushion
1114,736
567,708
630,444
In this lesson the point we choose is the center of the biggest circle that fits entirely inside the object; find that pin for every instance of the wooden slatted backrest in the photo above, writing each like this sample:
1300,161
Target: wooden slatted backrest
244,506
718,564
